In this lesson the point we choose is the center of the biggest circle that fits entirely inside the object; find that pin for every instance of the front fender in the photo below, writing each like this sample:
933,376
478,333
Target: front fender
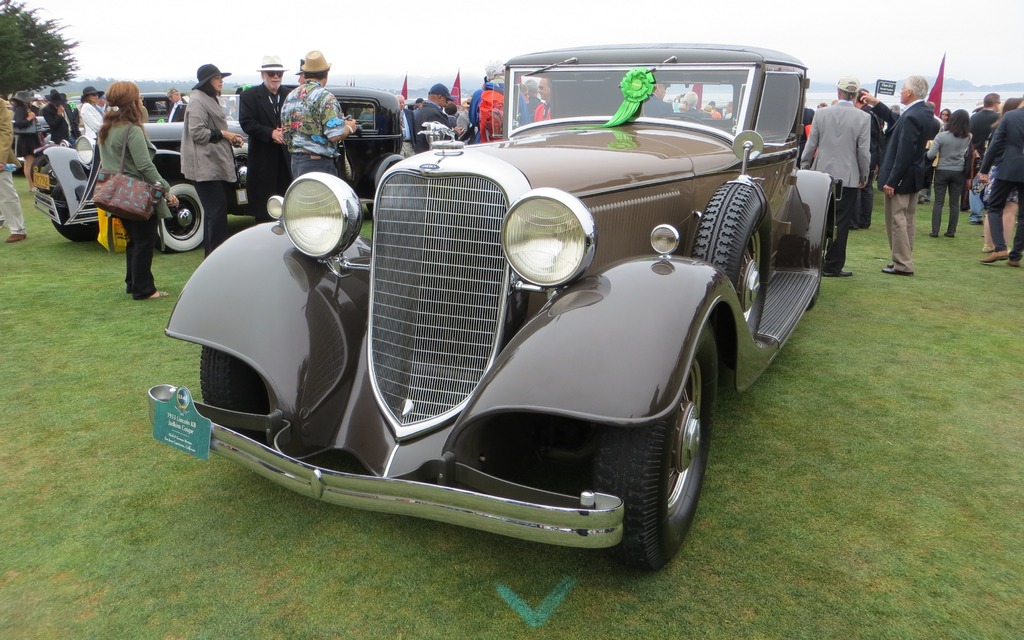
61,159
613,348
304,342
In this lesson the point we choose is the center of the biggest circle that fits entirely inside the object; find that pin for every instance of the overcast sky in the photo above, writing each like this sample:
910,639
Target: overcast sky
869,38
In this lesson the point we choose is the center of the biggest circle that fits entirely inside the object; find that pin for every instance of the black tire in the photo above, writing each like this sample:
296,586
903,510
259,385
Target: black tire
229,383
78,232
658,470
183,231
733,235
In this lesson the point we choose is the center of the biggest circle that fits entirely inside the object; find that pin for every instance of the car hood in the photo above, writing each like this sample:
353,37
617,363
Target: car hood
589,159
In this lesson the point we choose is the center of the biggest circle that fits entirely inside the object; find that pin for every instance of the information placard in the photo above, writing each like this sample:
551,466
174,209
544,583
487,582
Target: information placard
885,87
177,423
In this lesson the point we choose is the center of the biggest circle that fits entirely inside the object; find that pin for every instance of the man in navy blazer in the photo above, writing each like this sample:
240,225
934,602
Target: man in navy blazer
903,168
1006,150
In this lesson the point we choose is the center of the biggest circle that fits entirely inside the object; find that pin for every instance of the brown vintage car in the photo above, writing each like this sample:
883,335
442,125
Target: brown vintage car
533,343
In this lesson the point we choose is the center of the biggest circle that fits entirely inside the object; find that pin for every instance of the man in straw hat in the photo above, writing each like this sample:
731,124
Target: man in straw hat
313,121
259,114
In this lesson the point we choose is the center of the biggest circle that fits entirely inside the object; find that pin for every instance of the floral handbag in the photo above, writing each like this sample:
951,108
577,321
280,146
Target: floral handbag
124,196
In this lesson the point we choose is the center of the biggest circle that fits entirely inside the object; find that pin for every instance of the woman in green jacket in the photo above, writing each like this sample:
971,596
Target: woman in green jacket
122,125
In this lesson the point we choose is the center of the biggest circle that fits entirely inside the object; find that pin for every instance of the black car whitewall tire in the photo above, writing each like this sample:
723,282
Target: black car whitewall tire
183,231
733,235
658,470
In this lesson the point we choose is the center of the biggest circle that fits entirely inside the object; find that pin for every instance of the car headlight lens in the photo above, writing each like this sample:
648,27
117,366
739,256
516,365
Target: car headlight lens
85,150
321,214
548,237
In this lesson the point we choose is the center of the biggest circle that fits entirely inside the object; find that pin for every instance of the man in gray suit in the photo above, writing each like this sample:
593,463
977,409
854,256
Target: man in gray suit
840,145
1006,150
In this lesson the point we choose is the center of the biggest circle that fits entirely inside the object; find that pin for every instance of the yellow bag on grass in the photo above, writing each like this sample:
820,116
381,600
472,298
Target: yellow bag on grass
112,234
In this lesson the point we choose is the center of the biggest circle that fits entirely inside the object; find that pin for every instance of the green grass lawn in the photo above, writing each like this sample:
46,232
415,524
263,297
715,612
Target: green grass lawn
869,485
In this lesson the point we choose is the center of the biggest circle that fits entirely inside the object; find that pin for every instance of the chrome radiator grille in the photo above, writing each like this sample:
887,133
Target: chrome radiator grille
438,286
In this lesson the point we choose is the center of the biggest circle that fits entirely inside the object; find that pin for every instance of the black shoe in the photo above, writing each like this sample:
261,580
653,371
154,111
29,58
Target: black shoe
890,270
949,234
837,274
933,235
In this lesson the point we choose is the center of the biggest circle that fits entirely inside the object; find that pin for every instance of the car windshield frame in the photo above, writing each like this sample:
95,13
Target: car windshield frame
594,92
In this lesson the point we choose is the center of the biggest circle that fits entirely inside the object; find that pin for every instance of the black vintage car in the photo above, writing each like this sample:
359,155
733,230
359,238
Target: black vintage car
534,342
65,177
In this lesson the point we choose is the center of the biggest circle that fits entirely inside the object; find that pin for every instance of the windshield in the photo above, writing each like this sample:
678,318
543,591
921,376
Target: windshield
710,96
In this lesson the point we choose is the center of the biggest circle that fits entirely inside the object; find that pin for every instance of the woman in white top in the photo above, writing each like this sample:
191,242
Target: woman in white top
90,113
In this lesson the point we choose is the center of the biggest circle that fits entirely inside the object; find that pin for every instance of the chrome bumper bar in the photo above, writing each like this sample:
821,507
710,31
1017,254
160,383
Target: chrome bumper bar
44,204
596,525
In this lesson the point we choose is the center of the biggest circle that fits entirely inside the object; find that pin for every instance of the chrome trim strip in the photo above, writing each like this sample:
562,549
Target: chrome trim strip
592,528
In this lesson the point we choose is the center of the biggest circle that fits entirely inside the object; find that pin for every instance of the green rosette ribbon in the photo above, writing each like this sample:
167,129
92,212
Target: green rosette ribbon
637,85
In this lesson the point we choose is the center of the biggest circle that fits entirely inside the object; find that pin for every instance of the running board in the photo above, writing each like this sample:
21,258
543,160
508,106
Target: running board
789,295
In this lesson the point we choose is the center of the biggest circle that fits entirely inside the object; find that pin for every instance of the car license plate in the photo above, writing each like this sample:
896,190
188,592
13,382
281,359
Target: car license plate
41,180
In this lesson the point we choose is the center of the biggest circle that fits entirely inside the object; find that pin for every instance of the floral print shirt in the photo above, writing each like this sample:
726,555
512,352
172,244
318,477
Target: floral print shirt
311,116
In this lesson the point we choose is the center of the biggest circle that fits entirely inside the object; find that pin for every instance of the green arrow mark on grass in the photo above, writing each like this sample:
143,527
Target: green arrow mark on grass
537,617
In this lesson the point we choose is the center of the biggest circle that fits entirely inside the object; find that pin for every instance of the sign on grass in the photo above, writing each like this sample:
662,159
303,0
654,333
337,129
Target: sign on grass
178,424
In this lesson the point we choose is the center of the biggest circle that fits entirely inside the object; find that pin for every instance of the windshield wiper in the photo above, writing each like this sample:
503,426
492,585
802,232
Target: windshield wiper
552,66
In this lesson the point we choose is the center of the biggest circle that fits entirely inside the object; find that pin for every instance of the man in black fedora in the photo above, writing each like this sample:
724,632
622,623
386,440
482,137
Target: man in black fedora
259,114
55,114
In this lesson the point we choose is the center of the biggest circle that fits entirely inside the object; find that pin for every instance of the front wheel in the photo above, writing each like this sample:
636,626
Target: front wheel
229,383
183,231
658,470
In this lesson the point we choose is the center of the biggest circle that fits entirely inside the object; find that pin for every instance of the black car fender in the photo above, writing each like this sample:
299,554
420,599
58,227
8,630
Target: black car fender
809,210
168,165
313,313
613,348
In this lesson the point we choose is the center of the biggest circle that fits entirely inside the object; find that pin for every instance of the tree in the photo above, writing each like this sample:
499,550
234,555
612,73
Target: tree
35,53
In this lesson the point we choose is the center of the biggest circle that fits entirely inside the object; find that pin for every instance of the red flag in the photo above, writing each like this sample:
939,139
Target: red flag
457,88
405,87
935,97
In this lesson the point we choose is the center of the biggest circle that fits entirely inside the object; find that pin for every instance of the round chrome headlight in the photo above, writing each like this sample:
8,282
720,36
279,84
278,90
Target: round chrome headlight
85,150
321,214
548,237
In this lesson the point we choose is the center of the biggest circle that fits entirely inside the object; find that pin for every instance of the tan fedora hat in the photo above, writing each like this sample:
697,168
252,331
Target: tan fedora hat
315,63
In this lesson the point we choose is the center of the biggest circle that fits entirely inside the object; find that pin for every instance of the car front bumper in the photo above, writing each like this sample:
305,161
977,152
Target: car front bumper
596,525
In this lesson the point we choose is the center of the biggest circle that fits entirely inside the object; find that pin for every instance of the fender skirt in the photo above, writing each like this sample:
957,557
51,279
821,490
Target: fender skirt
613,348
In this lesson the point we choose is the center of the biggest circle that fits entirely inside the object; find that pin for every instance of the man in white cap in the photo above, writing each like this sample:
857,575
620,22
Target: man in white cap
259,115
313,121
840,145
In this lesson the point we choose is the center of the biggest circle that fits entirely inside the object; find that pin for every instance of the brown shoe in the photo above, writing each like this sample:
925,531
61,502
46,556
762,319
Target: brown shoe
1014,263
15,237
995,256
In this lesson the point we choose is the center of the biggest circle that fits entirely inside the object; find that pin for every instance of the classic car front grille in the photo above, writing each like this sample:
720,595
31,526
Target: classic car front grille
438,286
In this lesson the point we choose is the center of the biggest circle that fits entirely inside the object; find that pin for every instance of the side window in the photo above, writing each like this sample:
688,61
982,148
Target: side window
364,114
780,105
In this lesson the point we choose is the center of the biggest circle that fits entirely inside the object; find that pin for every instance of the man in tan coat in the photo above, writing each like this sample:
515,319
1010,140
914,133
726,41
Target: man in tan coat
10,205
